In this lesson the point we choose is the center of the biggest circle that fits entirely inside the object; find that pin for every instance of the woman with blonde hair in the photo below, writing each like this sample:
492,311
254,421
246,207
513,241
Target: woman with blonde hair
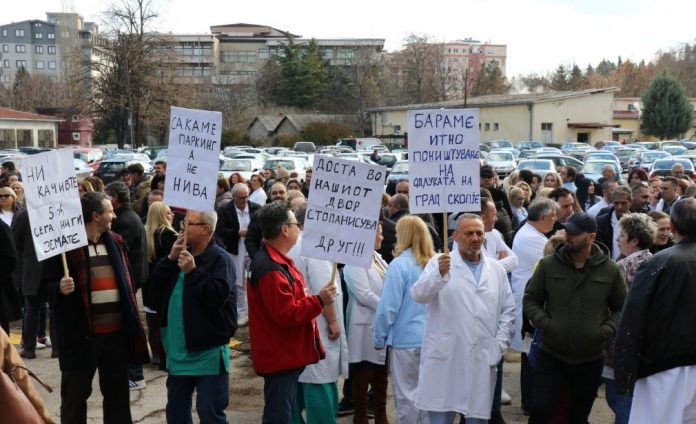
527,190
160,236
83,187
8,205
517,198
399,320
96,182
543,193
18,188
552,179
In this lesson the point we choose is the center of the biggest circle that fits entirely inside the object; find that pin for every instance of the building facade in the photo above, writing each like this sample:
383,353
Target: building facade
627,115
552,117
24,129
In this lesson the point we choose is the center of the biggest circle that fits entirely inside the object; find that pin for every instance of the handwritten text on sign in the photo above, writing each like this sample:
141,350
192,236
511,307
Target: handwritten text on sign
444,160
193,159
343,211
53,203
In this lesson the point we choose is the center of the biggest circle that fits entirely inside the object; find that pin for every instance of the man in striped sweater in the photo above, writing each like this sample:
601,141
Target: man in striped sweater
97,319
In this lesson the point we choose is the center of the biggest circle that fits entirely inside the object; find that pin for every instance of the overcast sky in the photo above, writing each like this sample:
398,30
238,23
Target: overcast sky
539,34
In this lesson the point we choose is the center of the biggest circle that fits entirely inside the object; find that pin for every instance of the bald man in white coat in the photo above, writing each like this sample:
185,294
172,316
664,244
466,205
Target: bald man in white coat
458,362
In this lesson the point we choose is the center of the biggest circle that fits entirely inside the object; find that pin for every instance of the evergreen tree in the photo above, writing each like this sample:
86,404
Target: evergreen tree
304,75
667,112
577,79
559,79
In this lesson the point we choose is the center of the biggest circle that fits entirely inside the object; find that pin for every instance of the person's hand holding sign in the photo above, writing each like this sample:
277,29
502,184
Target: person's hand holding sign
444,264
328,293
67,285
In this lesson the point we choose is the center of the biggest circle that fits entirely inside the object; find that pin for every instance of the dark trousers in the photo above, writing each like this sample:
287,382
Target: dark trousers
108,353
498,388
280,393
551,375
35,318
365,374
526,383
212,397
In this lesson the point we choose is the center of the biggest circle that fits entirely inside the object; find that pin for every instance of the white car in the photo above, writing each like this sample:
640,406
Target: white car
296,166
245,167
503,161
537,166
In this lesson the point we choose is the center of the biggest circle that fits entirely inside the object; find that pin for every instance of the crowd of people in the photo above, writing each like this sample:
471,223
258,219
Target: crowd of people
590,281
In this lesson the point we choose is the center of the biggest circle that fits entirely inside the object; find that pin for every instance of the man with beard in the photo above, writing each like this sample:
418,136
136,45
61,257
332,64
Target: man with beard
575,297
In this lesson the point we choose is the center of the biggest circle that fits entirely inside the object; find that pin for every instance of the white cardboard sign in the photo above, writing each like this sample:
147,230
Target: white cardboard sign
53,202
443,156
193,159
343,211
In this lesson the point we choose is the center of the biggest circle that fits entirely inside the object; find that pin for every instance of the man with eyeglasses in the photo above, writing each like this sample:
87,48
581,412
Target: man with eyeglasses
198,319
282,327
252,241
232,228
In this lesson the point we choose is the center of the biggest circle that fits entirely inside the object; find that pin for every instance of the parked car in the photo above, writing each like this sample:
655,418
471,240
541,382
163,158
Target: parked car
245,167
398,172
503,161
601,155
152,151
567,148
663,167
296,166
592,169
82,169
624,155
689,143
499,144
648,145
562,160
644,159
549,150
110,169
674,150
537,166
305,146
92,156
360,144
529,145
388,159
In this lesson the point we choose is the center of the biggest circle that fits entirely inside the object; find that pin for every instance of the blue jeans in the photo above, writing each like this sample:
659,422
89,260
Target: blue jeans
621,405
280,395
212,397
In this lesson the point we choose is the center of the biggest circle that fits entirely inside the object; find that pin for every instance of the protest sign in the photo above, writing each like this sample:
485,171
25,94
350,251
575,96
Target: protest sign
443,159
193,159
53,203
343,211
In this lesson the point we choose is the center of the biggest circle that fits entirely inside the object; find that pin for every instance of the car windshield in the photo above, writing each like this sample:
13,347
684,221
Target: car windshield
536,164
500,156
595,167
501,143
651,156
667,164
400,168
236,165
275,163
112,166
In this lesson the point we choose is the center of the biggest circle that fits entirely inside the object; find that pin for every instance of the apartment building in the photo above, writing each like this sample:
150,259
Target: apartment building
235,53
48,47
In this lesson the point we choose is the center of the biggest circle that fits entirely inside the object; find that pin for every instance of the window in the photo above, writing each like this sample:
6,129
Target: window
263,53
5,48
194,49
496,127
4,33
19,33
37,24
6,63
239,57
51,36
487,126
39,49
24,138
45,138
39,64
21,64
76,118
38,35
51,49
7,137
52,64
546,126
76,136
20,48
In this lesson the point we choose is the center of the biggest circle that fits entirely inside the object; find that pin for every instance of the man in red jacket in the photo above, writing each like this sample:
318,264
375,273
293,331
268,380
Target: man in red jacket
284,335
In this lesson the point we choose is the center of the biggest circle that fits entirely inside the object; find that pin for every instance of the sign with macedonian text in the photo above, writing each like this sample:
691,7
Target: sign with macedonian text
193,159
443,157
53,203
343,211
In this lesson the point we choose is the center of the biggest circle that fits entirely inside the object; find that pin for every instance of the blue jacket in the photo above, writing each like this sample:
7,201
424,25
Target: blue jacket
209,297
400,321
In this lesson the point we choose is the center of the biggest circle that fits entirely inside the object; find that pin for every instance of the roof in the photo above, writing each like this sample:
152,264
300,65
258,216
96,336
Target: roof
16,115
250,30
269,122
300,121
500,100
626,114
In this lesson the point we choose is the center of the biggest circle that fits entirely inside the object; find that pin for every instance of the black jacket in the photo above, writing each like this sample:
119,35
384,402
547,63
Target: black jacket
209,297
657,323
9,298
227,229
164,239
129,226
605,232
